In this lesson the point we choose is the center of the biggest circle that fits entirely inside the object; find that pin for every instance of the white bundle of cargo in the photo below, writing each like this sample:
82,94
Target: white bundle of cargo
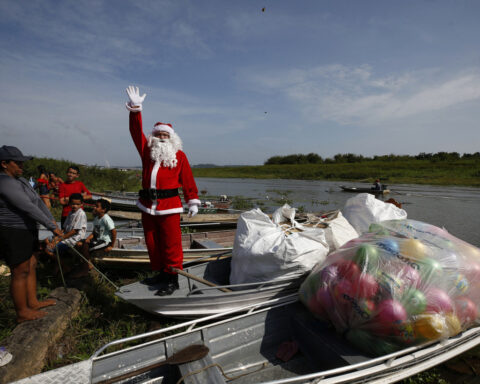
273,249
364,209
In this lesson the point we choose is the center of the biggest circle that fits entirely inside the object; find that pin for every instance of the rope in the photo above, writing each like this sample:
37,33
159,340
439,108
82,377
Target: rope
221,370
60,268
93,266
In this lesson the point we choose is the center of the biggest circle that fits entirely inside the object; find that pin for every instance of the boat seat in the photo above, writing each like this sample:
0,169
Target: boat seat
211,375
321,344
204,244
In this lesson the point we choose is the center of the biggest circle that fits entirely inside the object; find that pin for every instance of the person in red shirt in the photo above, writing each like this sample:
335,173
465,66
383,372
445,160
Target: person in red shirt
165,169
71,185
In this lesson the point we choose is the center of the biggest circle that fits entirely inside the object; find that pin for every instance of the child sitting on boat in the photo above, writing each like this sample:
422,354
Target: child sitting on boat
102,237
75,228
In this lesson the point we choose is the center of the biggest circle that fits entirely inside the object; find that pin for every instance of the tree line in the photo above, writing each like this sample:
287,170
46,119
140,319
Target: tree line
313,158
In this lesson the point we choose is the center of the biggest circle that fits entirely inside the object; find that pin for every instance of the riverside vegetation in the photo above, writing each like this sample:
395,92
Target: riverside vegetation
103,317
438,169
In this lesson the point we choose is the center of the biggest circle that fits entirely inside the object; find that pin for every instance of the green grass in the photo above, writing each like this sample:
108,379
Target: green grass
102,317
461,172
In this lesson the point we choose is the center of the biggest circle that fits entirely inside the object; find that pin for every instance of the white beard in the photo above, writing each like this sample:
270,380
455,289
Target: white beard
165,150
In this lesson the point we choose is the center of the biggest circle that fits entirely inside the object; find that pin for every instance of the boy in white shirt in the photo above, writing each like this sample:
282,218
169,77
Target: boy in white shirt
75,227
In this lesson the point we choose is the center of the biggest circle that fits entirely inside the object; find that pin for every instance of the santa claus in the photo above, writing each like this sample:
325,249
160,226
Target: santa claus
165,169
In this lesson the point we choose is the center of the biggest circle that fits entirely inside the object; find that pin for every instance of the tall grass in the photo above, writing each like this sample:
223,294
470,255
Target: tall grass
461,172
95,178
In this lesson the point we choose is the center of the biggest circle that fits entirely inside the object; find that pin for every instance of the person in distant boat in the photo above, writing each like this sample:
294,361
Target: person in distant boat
165,169
71,185
20,210
377,186
42,185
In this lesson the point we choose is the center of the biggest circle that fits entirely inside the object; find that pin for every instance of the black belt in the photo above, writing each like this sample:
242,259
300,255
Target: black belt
154,194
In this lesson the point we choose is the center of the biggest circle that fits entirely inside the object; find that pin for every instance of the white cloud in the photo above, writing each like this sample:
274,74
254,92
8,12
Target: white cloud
355,95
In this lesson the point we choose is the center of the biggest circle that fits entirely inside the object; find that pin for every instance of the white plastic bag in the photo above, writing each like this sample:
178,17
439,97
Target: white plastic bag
339,232
364,209
265,250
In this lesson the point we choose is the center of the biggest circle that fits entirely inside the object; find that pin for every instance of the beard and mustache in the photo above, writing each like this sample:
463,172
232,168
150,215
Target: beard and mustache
165,150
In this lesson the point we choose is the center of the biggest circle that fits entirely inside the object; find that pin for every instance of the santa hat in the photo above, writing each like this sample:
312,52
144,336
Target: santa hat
163,127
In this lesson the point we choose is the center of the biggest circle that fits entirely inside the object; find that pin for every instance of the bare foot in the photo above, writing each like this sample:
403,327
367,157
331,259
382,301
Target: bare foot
42,304
29,314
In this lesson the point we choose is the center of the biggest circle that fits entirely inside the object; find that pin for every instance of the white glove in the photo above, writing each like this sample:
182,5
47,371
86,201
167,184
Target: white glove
192,210
135,100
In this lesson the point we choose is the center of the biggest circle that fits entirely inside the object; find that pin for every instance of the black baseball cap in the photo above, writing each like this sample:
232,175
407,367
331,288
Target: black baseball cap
8,152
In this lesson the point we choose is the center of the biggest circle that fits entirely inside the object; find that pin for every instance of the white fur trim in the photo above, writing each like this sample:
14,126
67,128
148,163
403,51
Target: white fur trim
134,108
194,202
154,212
162,128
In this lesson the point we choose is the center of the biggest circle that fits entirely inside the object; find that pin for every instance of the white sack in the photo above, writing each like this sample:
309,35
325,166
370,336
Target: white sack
339,232
262,251
364,209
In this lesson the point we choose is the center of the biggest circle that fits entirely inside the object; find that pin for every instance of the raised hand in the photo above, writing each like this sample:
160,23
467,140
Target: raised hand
135,100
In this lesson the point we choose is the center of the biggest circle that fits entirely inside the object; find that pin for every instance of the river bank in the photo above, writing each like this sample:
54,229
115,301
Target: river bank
423,172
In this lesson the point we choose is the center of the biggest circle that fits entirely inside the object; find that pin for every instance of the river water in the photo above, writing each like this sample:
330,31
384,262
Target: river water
457,209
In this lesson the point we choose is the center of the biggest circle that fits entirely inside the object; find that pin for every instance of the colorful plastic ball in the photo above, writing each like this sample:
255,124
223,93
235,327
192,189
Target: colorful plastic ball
473,271
366,257
324,298
389,244
410,276
360,312
430,269
390,317
413,249
390,284
343,291
438,301
347,269
329,274
430,326
369,343
375,227
466,310
461,284
406,333
364,286
316,309
367,307
414,302
453,324
378,230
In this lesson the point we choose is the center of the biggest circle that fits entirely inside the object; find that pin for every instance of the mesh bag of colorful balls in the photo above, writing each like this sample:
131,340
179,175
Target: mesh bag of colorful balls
402,283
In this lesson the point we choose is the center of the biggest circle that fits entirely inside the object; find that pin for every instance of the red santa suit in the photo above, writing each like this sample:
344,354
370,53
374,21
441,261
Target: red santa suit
161,217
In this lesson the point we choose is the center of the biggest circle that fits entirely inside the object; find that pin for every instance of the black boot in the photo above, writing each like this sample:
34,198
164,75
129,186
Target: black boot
155,279
171,284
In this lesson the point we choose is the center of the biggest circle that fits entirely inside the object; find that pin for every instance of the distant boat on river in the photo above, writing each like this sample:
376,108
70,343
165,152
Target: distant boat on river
383,191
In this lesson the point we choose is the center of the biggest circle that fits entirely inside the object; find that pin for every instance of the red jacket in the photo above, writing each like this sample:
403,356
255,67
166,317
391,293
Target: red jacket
160,177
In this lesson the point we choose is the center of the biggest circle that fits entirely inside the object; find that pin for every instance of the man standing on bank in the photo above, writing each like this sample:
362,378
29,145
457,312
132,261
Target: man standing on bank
165,169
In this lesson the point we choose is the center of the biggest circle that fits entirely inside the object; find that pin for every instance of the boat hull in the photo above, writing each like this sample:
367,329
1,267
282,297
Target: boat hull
365,190
194,299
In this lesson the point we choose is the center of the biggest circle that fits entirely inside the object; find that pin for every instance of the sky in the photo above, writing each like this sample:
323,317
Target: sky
241,81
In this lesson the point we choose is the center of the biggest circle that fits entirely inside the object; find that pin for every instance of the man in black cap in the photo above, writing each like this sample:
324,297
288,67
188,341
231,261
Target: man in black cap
20,210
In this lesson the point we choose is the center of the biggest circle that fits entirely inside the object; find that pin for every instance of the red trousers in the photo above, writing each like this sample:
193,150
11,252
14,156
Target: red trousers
164,241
